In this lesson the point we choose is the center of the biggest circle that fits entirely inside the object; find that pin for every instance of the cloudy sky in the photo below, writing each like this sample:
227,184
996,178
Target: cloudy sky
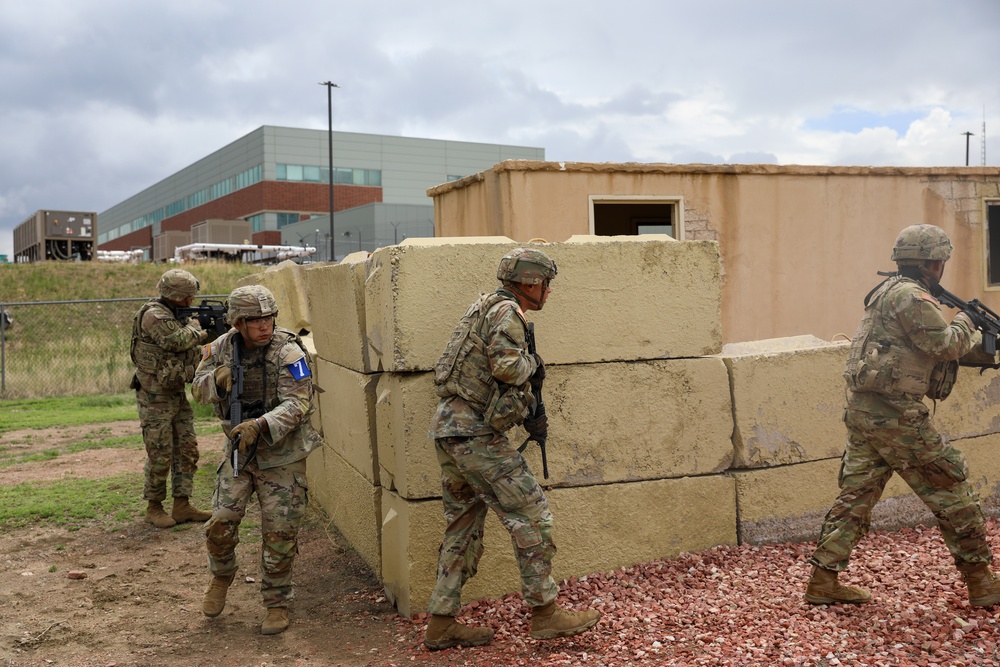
102,98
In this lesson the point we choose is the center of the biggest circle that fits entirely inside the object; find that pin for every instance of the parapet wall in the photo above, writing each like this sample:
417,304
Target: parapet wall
661,440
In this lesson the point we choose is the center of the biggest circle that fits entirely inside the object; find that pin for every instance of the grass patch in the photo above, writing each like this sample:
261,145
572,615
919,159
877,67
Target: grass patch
69,503
66,411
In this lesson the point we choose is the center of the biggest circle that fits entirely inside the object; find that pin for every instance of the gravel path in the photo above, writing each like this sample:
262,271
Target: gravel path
743,606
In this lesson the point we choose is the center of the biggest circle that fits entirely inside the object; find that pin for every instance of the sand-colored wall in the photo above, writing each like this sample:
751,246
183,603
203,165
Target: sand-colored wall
662,440
799,245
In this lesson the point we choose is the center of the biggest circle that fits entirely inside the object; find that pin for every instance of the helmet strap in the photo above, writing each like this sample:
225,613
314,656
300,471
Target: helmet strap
516,289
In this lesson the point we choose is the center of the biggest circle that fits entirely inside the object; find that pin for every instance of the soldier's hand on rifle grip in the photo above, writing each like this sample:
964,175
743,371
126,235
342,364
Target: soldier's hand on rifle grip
246,434
538,376
537,425
224,378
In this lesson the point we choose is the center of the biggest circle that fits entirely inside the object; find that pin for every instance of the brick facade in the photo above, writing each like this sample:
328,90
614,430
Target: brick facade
271,196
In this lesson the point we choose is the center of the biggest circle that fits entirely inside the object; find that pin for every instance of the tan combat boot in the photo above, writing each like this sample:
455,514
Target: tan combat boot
553,621
983,585
823,588
184,511
446,632
275,622
215,596
156,516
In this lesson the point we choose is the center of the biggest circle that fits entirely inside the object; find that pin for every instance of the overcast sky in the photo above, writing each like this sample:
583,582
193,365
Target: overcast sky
102,98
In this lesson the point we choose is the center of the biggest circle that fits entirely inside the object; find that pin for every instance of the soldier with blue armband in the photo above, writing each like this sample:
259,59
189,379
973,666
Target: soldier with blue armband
272,441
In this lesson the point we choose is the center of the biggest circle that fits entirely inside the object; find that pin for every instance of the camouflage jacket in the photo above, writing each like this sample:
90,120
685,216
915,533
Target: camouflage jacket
502,331
164,349
280,376
902,336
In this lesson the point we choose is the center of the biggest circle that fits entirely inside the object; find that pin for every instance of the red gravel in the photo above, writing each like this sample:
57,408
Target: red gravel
743,606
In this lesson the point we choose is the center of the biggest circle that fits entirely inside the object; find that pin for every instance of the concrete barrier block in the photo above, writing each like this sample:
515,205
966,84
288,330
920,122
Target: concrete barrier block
354,505
337,297
788,400
597,528
789,503
608,423
615,299
404,405
347,405
319,481
971,409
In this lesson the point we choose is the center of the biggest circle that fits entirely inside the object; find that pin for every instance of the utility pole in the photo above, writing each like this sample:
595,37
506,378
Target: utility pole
329,116
967,135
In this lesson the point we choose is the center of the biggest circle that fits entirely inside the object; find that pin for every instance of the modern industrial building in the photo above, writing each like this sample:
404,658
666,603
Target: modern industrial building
279,176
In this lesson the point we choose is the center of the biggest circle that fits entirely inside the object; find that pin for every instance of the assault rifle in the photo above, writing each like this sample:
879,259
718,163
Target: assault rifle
529,337
211,315
236,403
982,317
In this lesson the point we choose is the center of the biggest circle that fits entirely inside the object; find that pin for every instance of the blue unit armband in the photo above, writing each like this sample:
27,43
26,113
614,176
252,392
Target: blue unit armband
300,369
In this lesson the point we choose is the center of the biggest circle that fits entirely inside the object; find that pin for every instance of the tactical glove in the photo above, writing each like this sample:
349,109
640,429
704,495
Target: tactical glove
538,377
246,434
224,378
537,425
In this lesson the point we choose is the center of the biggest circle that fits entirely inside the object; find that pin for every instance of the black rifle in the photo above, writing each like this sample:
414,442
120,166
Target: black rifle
211,315
529,337
982,317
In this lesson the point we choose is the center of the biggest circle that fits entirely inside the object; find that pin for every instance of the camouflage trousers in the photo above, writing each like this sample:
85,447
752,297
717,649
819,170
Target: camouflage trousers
282,494
167,422
481,473
937,472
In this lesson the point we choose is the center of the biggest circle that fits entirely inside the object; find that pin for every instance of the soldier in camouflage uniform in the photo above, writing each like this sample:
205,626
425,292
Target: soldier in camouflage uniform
484,379
165,352
277,405
904,349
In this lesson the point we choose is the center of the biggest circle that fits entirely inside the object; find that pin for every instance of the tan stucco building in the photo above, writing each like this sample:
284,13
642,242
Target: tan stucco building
799,245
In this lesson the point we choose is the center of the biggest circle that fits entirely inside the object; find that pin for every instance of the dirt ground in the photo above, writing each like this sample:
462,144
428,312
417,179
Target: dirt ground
139,601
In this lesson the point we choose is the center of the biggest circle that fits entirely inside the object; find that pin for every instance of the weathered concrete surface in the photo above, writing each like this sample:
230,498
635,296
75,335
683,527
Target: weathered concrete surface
611,422
620,298
788,503
353,504
788,400
348,410
338,316
636,522
973,408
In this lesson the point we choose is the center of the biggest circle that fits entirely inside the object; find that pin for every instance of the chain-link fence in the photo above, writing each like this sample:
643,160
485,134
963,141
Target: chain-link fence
67,348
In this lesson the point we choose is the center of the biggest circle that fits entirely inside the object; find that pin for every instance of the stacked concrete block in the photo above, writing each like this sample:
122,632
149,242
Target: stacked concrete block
648,427
614,422
677,515
623,299
788,400
971,409
337,293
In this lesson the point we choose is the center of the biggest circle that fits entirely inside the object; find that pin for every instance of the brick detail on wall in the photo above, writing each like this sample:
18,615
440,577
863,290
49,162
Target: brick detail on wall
278,196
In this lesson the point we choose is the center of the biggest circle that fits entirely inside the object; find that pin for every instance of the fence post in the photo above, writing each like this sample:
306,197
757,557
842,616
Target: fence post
3,350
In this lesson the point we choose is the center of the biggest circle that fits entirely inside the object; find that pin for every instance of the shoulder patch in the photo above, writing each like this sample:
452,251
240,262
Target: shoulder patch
206,352
299,369
927,297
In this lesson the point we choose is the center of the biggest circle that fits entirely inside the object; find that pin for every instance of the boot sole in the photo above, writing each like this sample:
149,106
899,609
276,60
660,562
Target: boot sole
813,599
985,602
572,632
452,643
212,615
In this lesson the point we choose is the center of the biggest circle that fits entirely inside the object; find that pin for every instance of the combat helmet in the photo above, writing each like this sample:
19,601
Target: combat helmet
177,285
526,266
917,244
250,301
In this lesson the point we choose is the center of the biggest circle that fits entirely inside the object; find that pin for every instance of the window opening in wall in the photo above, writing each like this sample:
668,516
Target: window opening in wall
993,242
632,217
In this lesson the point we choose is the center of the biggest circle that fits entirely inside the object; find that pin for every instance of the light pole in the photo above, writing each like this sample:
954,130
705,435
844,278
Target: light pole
967,135
329,117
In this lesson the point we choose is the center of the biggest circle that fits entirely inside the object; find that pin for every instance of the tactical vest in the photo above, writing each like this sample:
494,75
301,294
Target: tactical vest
168,371
260,373
464,367
882,359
